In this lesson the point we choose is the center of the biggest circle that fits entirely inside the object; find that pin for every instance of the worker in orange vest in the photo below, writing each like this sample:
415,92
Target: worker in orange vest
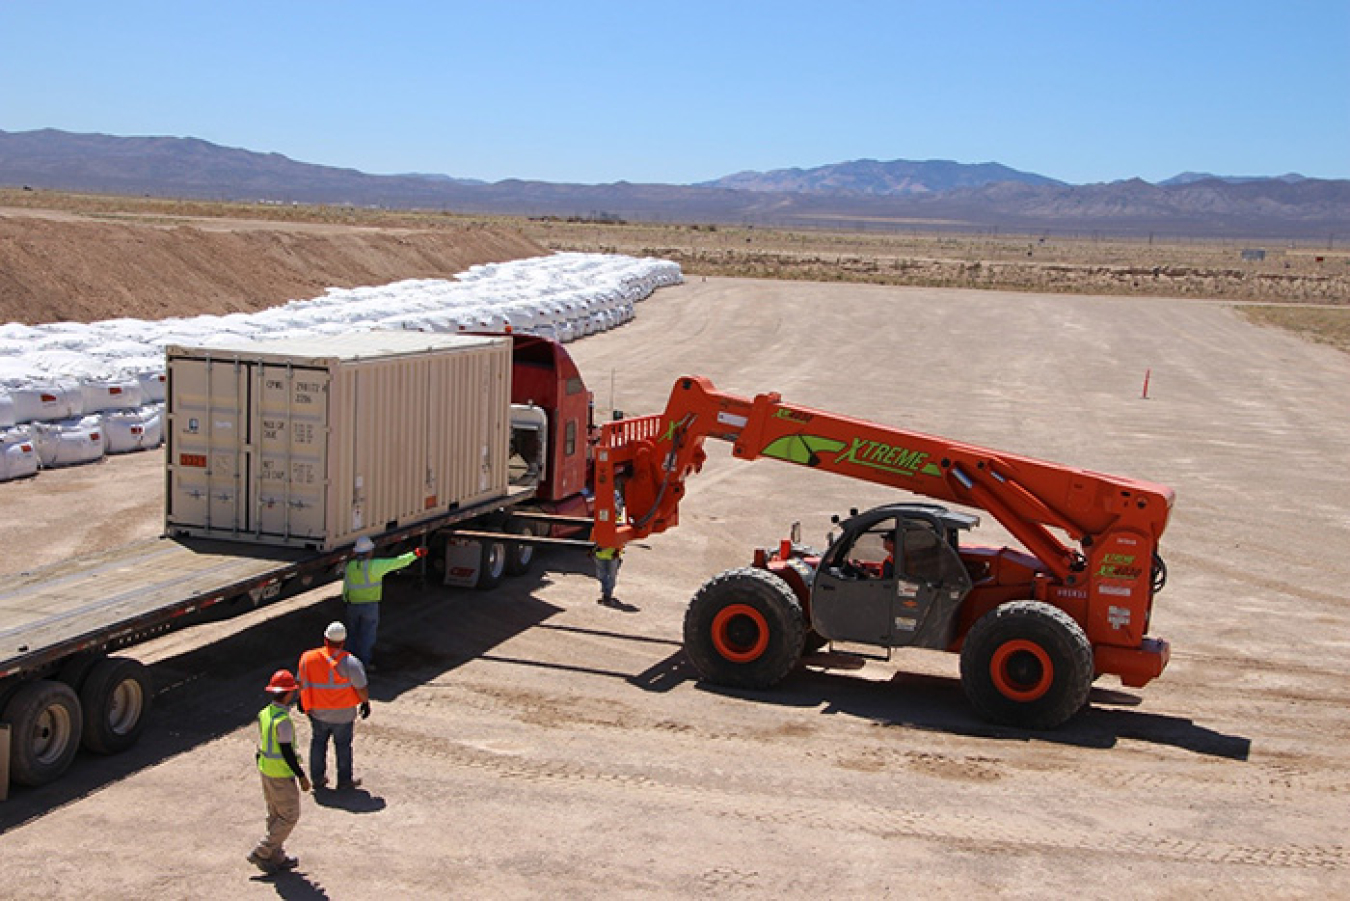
332,691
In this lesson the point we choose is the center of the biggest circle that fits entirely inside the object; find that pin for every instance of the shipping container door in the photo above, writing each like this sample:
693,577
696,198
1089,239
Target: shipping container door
208,466
290,451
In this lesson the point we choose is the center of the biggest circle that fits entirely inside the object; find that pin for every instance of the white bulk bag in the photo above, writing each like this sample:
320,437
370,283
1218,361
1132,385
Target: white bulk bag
6,410
70,441
120,394
154,386
125,431
47,402
18,454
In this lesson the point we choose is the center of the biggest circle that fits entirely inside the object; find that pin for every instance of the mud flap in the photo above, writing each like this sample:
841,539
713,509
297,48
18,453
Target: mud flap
4,761
462,561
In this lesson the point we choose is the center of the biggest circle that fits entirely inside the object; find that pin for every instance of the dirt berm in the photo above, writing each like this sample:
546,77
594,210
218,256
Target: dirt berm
58,267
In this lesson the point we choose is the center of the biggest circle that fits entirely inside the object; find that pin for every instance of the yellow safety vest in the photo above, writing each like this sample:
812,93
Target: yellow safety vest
606,553
270,760
362,581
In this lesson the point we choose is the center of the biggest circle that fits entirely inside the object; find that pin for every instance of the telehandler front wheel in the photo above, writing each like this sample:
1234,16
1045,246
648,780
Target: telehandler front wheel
744,629
1026,664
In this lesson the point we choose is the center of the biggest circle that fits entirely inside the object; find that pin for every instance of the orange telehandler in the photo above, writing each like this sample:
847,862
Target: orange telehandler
1034,627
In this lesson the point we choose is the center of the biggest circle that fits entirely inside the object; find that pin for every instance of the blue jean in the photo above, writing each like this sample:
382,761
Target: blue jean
607,571
320,730
363,622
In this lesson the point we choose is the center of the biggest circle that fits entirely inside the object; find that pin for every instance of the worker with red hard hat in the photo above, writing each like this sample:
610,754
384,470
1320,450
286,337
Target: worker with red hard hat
332,691
282,776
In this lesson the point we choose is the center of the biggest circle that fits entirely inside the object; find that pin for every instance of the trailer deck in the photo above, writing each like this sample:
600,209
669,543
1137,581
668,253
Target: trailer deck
115,597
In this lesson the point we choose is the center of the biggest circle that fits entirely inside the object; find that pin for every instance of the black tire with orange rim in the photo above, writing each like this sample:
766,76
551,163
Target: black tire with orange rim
1027,664
744,629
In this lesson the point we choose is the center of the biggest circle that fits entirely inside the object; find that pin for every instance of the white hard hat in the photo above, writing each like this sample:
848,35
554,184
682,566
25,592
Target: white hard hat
335,632
364,545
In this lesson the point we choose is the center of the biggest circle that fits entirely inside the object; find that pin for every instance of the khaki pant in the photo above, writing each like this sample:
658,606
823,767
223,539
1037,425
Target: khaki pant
283,812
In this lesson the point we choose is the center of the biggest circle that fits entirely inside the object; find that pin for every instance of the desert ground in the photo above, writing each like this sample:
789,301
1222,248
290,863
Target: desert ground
530,743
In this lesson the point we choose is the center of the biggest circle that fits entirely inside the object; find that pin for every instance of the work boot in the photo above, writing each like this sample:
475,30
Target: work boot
321,782
347,784
265,864
285,862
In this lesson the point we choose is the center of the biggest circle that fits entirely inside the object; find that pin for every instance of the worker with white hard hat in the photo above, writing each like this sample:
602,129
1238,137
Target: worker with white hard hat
362,589
332,691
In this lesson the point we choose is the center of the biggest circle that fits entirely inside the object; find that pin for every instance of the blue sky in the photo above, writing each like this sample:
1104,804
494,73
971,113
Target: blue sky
1086,91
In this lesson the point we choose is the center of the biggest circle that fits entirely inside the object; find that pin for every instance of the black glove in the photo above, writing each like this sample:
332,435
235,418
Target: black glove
365,710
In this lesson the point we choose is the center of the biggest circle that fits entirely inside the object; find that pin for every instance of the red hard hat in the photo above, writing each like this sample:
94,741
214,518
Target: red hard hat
282,682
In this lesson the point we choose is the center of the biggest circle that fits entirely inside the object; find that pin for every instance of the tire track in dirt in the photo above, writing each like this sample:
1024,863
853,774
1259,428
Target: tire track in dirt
1274,781
773,806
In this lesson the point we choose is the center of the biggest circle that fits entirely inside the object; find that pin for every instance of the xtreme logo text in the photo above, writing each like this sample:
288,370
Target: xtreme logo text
874,454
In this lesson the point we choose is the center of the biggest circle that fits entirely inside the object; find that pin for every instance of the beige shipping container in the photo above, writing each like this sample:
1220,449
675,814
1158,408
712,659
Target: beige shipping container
313,442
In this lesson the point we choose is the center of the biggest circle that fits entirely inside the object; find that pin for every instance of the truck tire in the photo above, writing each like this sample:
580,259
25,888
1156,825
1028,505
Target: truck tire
520,555
45,724
116,699
744,628
491,565
76,669
1026,664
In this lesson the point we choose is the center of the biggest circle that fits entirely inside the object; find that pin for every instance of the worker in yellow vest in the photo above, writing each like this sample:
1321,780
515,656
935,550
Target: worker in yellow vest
362,589
332,691
607,563
281,771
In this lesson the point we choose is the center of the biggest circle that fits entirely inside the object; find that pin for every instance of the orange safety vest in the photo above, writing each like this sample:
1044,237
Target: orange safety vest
322,687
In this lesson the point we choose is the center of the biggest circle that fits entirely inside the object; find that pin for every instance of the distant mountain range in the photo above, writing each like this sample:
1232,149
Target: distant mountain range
863,194
869,177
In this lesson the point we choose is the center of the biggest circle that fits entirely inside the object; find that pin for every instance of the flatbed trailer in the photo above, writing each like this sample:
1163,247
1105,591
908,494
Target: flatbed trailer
60,623
59,686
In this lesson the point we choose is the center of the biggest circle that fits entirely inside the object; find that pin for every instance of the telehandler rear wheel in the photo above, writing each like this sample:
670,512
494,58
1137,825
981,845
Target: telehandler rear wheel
744,629
1026,664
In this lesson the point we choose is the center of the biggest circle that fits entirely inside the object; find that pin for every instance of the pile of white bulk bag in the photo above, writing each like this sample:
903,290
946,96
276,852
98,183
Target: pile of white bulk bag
60,383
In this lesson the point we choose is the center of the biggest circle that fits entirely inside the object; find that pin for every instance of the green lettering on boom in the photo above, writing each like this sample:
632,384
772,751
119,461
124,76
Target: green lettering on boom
875,455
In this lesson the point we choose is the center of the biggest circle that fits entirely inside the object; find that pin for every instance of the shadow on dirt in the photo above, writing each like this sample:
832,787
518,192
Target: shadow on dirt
352,801
937,703
205,693
293,885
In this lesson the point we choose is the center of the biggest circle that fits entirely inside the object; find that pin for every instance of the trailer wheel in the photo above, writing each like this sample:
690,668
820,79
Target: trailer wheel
744,628
492,564
1026,664
519,554
45,725
116,698
76,669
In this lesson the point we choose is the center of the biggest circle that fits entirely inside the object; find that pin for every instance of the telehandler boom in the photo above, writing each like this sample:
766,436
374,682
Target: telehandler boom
1034,628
